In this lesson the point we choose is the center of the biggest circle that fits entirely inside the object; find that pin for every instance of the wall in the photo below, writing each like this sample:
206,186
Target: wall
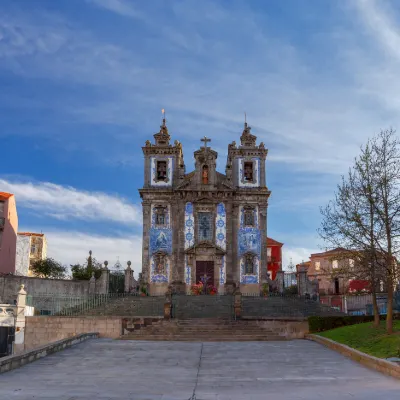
10,285
43,330
8,243
22,257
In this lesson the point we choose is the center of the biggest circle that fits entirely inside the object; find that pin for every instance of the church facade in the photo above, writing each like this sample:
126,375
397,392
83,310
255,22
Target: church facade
204,225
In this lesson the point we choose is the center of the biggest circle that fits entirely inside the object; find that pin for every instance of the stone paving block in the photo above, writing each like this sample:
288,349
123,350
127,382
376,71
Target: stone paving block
107,369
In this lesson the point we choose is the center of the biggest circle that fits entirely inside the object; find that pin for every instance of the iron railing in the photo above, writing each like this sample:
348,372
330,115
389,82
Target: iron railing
129,304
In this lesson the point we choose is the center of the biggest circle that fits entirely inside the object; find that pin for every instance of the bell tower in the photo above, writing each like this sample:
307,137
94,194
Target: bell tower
163,163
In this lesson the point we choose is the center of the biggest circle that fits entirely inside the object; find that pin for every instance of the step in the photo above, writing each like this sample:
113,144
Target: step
195,338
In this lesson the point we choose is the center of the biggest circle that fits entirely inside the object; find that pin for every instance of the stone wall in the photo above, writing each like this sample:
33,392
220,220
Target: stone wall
10,285
42,330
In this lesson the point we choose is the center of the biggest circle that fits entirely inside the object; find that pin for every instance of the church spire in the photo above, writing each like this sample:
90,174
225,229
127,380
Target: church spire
162,137
247,139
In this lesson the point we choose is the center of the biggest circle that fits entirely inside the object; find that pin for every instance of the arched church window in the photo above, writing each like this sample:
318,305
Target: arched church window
160,263
249,217
248,171
205,175
249,264
161,170
205,231
160,215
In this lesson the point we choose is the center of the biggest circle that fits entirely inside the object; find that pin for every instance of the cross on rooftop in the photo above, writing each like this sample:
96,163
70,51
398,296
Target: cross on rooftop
205,140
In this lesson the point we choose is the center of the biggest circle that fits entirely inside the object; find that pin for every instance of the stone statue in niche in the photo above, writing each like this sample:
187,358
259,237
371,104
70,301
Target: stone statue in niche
205,175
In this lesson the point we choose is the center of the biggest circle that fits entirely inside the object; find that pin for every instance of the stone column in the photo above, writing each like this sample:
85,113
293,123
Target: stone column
178,285
229,242
238,304
263,234
92,284
128,278
302,282
232,269
279,281
19,342
146,241
180,227
104,279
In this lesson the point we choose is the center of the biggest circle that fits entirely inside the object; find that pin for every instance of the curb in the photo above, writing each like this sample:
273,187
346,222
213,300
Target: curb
378,364
18,360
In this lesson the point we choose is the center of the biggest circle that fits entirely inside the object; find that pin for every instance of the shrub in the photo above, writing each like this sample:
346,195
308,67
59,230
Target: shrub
321,324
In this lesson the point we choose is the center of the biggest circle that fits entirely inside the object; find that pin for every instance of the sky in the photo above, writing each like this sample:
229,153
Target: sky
83,82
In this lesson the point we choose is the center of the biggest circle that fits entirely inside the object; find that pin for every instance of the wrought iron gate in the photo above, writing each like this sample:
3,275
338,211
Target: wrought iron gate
116,283
203,306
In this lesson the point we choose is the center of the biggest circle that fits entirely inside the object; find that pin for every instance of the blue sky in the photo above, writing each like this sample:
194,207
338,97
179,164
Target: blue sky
83,83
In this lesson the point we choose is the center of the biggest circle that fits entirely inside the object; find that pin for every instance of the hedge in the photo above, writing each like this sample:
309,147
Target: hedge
321,324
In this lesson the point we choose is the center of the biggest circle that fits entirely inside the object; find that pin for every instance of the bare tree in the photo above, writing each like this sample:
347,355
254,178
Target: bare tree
386,147
350,224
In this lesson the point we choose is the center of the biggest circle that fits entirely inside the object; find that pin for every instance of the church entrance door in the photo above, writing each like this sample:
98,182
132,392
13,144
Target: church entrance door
205,268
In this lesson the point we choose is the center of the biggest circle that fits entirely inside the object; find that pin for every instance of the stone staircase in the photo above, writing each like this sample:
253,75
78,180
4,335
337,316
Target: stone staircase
215,330
285,306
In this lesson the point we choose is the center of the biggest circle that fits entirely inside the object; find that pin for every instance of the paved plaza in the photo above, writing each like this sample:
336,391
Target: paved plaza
108,369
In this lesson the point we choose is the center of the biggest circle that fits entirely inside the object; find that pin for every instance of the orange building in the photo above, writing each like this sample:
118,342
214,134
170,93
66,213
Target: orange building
8,232
274,257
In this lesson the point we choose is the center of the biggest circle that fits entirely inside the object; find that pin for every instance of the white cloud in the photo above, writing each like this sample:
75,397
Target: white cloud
73,247
302,112
296,255
121,7
65,202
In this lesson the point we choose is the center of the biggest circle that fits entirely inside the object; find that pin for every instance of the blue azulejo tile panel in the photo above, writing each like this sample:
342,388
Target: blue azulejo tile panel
222,272
170,167
249,278
220,226
249,241
189,225
256,172
155,275
188,275
160,240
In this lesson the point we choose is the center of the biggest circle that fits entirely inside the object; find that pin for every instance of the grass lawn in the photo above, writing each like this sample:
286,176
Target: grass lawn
366,338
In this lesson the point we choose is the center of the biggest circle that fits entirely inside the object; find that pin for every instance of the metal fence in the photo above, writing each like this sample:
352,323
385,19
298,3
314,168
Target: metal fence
123,304
356,304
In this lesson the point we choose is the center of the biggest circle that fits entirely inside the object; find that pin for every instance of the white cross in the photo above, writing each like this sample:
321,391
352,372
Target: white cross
205,140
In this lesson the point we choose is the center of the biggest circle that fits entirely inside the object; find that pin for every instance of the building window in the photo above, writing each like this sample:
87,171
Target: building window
205,226
1,207
204,175
317,265
335,264
161,214
249,217
33,248
160,261
161,170
337,288
249,264
248,171
269,254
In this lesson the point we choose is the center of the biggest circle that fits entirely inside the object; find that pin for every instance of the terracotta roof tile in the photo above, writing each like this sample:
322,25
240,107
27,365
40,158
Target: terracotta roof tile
273,242
5,195
30,234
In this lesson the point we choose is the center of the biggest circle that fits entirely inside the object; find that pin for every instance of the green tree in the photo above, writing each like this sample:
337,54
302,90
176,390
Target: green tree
85,271
48,268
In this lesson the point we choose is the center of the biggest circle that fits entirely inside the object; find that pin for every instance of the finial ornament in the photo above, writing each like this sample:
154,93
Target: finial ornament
163,117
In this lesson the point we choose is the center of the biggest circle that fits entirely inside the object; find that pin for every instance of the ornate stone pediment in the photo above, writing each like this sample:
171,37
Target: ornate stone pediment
205,247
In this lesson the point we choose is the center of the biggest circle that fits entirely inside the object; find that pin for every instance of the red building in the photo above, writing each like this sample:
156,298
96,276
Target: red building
274,257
